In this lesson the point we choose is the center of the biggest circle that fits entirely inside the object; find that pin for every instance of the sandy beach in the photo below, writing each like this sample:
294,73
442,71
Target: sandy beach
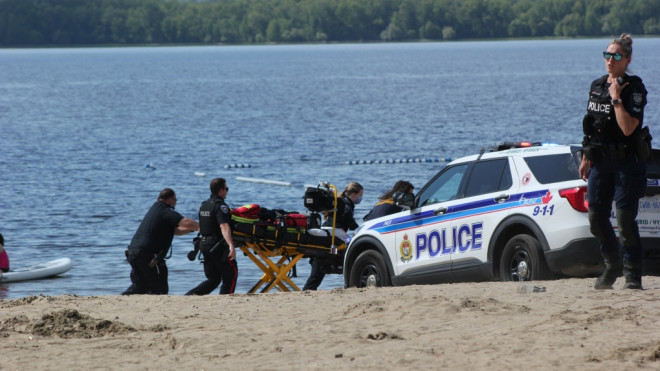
463,326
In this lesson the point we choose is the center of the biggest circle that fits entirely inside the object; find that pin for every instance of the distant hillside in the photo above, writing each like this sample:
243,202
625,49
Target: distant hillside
91,22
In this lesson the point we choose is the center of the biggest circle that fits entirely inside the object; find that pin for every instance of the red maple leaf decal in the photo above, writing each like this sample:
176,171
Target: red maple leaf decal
545,199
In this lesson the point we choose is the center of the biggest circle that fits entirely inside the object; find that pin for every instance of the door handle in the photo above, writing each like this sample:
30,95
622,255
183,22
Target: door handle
440,211
502,198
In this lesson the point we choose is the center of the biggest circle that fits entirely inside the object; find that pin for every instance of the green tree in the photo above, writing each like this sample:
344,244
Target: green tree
430,31
448,33
273,32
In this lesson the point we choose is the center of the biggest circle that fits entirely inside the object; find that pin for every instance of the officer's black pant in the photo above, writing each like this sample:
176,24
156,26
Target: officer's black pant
217,270
622,182
147,280
316,276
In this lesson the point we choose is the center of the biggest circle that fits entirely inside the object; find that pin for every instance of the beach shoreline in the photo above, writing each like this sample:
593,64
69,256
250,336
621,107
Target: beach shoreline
464,326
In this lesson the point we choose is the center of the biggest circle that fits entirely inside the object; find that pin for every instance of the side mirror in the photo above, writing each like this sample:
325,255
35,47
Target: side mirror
404,199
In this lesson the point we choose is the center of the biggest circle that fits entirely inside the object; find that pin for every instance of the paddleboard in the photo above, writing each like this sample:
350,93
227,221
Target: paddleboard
33,272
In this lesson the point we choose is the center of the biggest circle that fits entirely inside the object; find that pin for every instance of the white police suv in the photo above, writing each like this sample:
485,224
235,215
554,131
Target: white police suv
515,213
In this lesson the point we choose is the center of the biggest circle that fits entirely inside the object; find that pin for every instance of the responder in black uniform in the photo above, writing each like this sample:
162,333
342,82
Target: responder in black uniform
217,246
615,149
385,204
152,241
350,196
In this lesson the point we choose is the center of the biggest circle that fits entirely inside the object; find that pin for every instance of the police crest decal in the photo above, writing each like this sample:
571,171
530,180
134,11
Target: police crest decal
405,249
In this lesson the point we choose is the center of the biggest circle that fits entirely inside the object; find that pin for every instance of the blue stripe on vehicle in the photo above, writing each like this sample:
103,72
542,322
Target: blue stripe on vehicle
459,211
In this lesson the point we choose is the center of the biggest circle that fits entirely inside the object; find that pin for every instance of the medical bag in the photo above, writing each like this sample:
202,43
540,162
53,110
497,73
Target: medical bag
319,199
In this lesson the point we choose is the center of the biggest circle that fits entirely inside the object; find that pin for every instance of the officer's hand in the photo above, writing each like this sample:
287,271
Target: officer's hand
584,170
616,88
232,253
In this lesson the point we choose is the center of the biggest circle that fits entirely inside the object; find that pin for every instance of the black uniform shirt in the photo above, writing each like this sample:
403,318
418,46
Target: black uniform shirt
222,213
345,219
381,209
213,213
605,128
155,233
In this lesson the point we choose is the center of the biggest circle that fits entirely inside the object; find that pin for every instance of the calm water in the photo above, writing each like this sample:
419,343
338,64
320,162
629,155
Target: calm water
78,126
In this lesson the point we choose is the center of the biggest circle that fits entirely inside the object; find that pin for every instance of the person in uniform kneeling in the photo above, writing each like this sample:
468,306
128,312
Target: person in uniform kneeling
217,245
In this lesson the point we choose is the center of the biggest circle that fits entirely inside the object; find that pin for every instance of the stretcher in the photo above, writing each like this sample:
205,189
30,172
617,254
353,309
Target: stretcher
262,243
288,239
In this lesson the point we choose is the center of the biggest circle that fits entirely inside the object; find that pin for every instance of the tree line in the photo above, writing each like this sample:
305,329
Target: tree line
94,22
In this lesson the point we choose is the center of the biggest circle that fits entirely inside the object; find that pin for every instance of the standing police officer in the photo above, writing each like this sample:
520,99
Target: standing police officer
152,241
615,150
217,245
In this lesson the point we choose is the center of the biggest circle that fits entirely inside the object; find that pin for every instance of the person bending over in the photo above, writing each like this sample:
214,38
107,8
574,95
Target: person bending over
385,204
350,196
151,242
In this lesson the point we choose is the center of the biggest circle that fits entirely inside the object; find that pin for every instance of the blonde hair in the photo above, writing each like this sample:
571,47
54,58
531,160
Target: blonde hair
351,188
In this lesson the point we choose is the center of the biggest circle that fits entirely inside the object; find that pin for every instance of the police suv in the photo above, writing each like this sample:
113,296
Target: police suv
515,213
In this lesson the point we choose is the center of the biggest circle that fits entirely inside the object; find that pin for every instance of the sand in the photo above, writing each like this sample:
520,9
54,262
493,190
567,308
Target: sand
462,326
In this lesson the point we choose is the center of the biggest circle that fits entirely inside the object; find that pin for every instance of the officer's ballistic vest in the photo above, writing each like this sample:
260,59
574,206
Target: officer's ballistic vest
600,123
208,224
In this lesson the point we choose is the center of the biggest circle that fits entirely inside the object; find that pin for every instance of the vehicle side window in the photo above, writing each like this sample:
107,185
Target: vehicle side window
445,187
553,168
489,176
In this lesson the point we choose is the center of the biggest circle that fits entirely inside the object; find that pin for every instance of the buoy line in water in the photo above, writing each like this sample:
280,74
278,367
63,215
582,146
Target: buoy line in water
398,161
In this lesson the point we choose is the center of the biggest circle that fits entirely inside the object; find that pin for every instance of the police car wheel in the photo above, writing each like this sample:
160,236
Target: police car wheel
522,260
369,270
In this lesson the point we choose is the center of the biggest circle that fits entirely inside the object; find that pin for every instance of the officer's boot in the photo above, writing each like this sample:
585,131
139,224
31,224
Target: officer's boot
601,228
629,236
611,273
633,274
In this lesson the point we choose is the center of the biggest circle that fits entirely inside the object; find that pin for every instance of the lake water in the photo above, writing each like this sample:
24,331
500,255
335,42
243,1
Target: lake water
79,126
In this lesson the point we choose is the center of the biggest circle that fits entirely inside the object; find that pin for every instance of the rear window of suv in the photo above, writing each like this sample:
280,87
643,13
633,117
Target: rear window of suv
554,168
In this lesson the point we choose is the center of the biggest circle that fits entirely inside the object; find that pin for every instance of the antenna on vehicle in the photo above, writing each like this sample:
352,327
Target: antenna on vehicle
481,153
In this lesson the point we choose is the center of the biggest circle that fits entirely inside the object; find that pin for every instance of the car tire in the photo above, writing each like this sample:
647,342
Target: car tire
369,269
523,260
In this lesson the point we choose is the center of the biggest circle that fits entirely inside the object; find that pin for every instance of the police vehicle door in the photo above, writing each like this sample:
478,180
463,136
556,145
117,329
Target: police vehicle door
483,204
423,248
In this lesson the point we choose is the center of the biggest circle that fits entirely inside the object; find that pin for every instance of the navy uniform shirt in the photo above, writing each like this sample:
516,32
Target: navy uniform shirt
155,233
345,219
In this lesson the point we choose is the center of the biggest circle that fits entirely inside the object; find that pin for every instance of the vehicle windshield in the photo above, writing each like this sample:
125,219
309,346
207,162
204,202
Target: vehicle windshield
445,187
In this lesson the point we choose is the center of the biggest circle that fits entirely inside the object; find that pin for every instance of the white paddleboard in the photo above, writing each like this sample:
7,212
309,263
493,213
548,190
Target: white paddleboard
33,272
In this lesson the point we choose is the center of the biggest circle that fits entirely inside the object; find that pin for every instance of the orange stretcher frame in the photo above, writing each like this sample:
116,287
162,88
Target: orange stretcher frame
276,273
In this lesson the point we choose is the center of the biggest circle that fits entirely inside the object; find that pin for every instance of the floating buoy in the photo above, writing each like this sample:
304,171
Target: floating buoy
199,173
398,161
149,166
237,166
263,181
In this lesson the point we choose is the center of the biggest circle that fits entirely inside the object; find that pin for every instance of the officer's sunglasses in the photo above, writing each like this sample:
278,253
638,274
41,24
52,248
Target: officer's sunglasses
617,56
